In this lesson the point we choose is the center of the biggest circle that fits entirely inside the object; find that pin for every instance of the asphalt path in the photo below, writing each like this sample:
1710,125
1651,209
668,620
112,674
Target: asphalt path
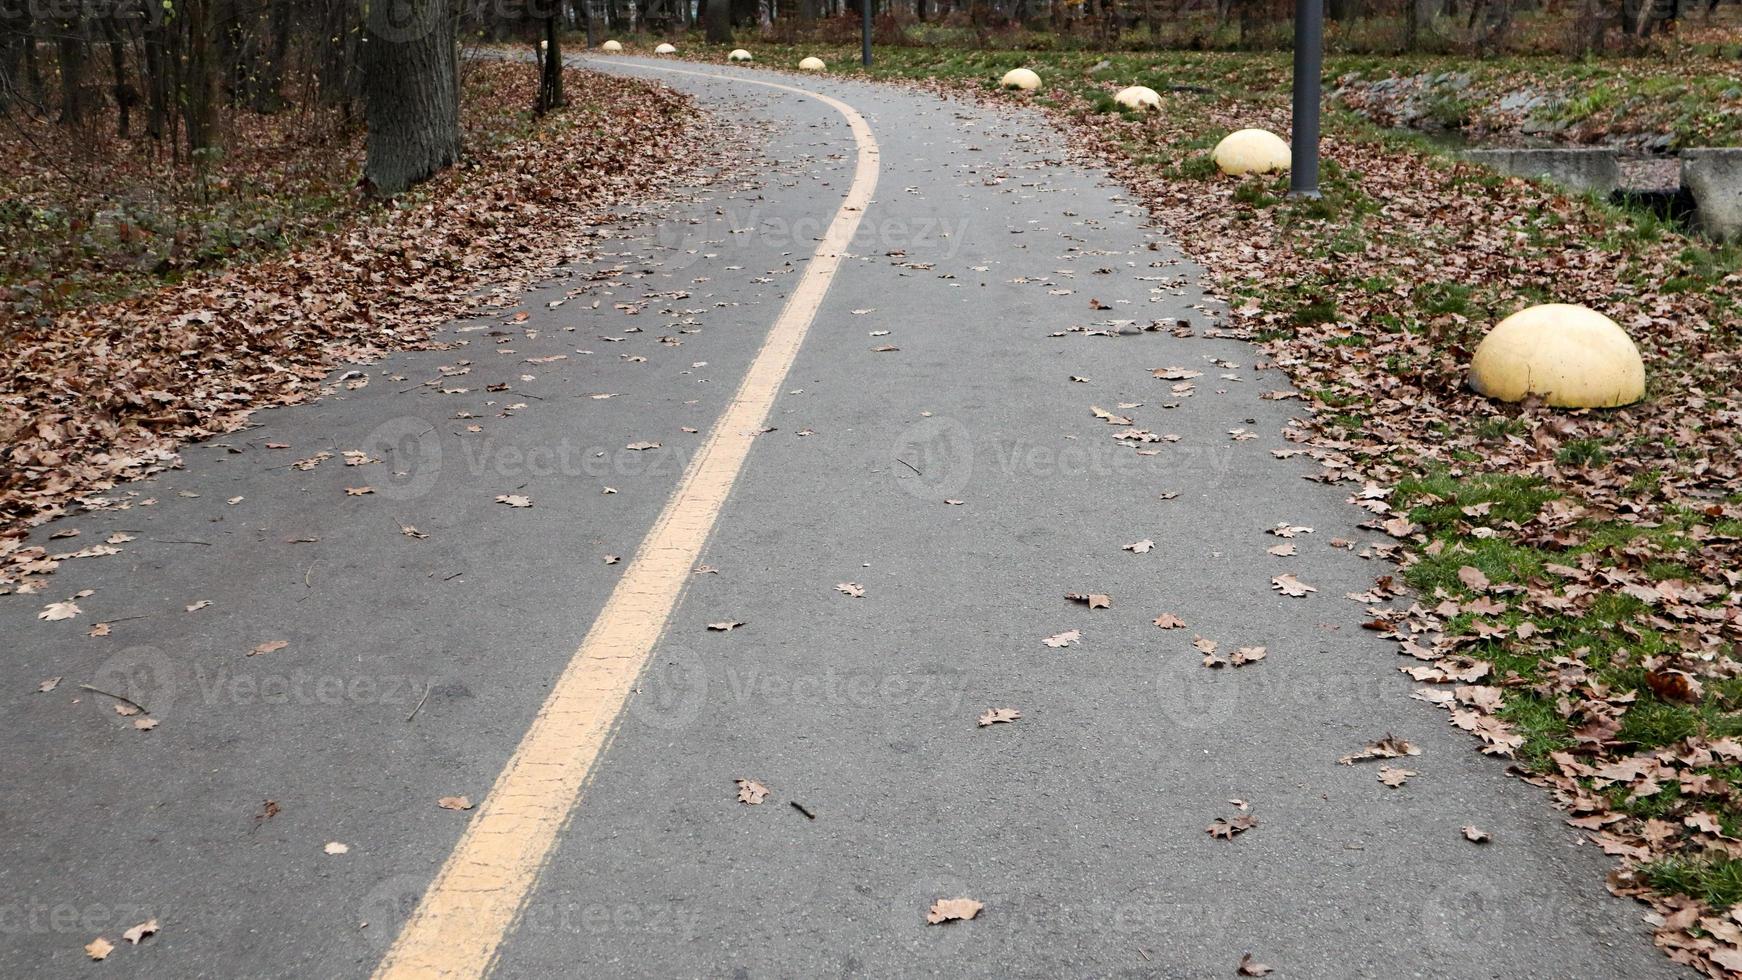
961,481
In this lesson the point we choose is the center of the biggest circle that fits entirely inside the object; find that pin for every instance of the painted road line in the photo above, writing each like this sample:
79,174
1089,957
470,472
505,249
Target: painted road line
474,901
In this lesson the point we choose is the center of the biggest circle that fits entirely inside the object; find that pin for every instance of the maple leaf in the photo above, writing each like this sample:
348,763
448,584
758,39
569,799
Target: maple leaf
995,716
953,910
99,948
751,792
1168,621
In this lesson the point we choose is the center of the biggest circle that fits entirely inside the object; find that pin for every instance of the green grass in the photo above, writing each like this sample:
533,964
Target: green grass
1715,879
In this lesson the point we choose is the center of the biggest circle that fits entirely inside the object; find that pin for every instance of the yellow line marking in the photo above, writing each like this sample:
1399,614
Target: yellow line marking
474,901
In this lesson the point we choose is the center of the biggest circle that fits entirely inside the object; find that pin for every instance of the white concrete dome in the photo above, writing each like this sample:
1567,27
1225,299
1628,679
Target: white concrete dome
739,54
1021,79
1251,151
665,49
1571,355
812,64
611,46
1141,98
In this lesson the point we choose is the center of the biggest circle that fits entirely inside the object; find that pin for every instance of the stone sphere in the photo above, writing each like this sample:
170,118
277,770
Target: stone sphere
665,49
1571,355
1021,79
1251,151
1142,98
611,46
739,55
812,64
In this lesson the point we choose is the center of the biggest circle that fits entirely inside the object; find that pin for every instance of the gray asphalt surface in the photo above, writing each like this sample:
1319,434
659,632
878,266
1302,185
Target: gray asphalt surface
413,666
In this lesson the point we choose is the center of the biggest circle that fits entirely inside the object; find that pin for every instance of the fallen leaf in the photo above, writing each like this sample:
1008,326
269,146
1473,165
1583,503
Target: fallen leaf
1288,585
1394,776
54,612
358,491
1168,621
1389,747
514,500
335,847
1473,578
1250,967
454,803
1247,655
1282,551
1064,639
196,607
853,589
1092,600
140,931
48,685
270,646
1475,834
99,629
99,948
1140,547
751,792
953,909
1225,829
725,626
995,716
145,724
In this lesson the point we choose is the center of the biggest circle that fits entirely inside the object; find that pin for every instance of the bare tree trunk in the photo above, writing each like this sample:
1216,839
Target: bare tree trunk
269,83
550,78
71,47
122,85
410,93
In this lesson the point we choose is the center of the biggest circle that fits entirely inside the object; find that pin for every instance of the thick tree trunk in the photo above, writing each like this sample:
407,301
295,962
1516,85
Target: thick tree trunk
717,21
410,93
71,46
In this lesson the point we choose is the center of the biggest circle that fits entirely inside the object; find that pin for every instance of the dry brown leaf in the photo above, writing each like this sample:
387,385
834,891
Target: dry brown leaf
751,792
1395,776
1288,585
995,716
455,803
952,910
140,931
725,626
514,500
99,948
270,646
853,589
1250,967
1092,600
1168,621
1064,639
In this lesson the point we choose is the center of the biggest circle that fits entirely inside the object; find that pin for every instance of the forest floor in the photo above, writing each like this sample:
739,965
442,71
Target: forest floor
1569,580
107,366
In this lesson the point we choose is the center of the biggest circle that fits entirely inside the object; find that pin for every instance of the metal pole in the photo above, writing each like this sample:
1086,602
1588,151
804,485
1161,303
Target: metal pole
1309,42
865,6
